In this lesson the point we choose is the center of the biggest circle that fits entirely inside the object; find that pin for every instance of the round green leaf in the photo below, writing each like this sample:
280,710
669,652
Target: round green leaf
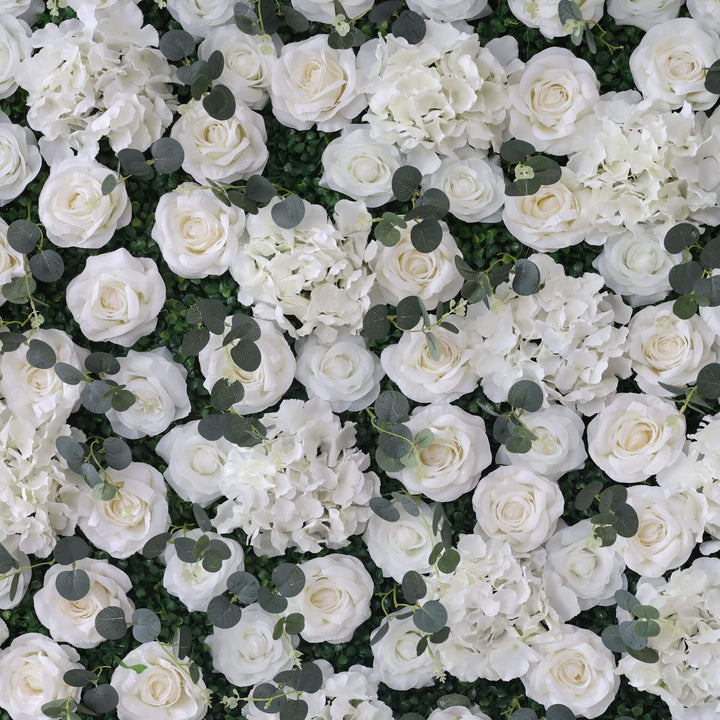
96,397
295,20
526,280
708,381
413,587
47,266
156,545
68,373
612,640
79,677
23,236
222,613
110,623
376,325
288,213
294,624
391,406
408,312
431,617
410,26
220,103
212,427
177,44
109,184
40,355
684,276
712,78
518,445
387,234
260,189
681,236
146,625
101,699
453,700
406,179
289,579
685,307
559,712
246,355
513,151
261,695
527,395
426,236
132,162
72,584
293,710
168,154
69,550
708,288
271,602
244,586
399,443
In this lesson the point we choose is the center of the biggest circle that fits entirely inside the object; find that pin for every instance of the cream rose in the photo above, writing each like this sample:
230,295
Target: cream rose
15,46
117,297
19,158
74,621
324,10
199,17
644,13
705,12
517,506
444,11
635,436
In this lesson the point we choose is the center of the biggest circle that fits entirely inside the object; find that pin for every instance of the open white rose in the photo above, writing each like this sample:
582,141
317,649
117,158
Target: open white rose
452,464
543,15
558,448
664,348
644,13
343,372
194,464
324,10
575,670
190,581
670,64
221,150
705,12
138,511
199,17
4,632
548,96
117,297
458,712
12,263
444,11
74,621
31,674
335,600
635,436
163,690
314,84
246,653
406,544
36,394
19,158
26,10
10,543
198,235
249,62
263,386
73,208
15,46
517,506
671,524
360,166
161,398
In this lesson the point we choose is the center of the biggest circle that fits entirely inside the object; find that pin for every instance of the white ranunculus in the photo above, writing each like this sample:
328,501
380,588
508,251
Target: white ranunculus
452,464
19,158
705,12
517,506
163,690
543,15
664,348
314,84
445,11
190,581
335,600
635,436
579,573
161,398
199,17
10,543
221,150
558,448
324,10
643,13
406,544
117,297
74,210
246,653
671,524
37,395
636,265
198,235
194,464
575,670
263,386
74,621
137,512
12,263
249,62
474,185
548,96
343,372
360,166
670,64
15,46
31,674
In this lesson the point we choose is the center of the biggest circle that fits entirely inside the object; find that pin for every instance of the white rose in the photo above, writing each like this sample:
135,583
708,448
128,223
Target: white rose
343,372
15,46
410,365
517,506
312,83
644,13
395,658
26,10
705,12
543,15
12,263
31,674
137,512
558,448
74,621
452,464
548,96
191,582
406,544
246,653
359,166
335,600
37,395
194,464
474,185
117,297
579,573
636,265
670,64
163,690
635,436
74,210
671,524
444,11
554,217
199,17
19,158
221,150
249,62
198,235
4,632
663,348
10,543
458,712
324,10
263,386
575,670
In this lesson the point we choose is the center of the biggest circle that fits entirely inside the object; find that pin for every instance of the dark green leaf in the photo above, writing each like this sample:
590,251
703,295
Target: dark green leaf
40,355
155,546
110,623
340,42
289,579
524,714
453,700
246,19
408,312
225,394
69,550
215,64
261,695
431,617
708,381
406,180
439,637
513,151
294,624
625,600
612,640
410,26
685,307
645,611
194,341
399,443
449,561
72,584
559,712
7,561
288,213
586,496
222,613
421,647
647,628
177,44
606,534
79,677
220,103
648,655
146,625
246,355
626,521
392,407
293,710
11,341
96,397
295,20
708,288
380,633
413,587
426,236
522,188
547,171
684,276
47,266
681,236
23,236
133,162
712,78
168,154
68,373
244,586
629,636
383,508
117,453
16,291
260,189
101,699
101,362
527,395
376,325
54,708
387,234
271,602
526,280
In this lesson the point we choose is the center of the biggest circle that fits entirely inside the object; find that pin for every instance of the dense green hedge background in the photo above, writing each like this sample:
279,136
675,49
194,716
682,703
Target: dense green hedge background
295,163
